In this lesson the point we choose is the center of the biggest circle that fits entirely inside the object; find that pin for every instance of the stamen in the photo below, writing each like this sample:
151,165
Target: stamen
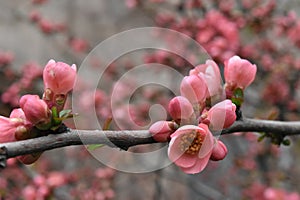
191,142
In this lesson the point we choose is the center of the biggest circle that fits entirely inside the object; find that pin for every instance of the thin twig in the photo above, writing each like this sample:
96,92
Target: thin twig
128,138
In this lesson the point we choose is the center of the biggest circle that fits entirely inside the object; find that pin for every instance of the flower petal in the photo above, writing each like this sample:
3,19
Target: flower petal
207,144
198,167
178,157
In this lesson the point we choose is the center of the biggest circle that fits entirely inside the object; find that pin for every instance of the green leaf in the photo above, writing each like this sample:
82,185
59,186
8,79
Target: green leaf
95,146
238,97
65,113
286,142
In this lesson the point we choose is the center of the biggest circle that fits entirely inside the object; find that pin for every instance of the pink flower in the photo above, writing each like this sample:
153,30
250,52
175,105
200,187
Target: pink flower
59,77
35,110
211,74
191,147
194,89
239,73
8,128
222,115
181,109
161,130
14,126
219,151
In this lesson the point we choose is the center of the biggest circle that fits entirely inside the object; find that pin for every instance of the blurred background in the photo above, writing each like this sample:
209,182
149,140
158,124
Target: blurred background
264,32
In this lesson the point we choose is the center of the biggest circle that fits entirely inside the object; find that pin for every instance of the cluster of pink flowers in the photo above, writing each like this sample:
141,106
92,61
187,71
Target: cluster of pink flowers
6,58
192,143
263,192
30,72
40,114
45,25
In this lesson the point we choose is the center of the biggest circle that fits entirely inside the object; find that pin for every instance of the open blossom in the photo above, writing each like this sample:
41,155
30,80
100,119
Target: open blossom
59,77
222,115
239,73
161,130
219,151
191,147
181,109
35,110
211,74
194,89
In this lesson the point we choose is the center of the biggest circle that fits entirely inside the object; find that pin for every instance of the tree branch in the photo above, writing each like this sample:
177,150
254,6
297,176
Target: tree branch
126,139
257,125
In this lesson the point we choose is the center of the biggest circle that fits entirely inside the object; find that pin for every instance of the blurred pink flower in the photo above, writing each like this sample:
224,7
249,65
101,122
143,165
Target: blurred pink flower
222,115
46,26
191,147
194,88
56,179
79,45
6,58
181,109
279,194
132,3
161,130
35,110
239,73
29,192
59,77
219,151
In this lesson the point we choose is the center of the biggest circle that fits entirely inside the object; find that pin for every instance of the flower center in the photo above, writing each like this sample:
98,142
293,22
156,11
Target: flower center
191,142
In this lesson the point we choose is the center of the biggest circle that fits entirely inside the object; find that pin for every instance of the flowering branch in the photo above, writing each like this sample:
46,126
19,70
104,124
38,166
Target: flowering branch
127,138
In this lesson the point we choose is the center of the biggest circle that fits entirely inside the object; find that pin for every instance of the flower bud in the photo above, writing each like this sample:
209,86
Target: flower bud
219,151
161,130
239,73
59,77
222,115
181,109
29,159
14,126
7,130
210,72
36,110
194,89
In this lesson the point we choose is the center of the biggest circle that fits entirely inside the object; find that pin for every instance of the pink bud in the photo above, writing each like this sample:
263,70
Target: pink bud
59,77
29,159
239,73
7,129
17,113
161,130
194,89
222,115
219,151
211,74
180,109
35,110
15,125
